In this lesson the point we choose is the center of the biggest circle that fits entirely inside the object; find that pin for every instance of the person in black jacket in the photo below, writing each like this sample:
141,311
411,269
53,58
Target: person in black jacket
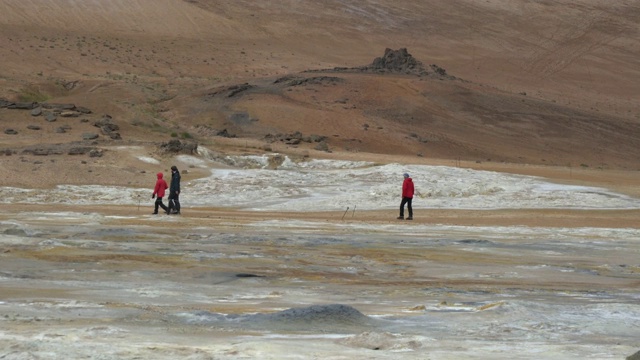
174,192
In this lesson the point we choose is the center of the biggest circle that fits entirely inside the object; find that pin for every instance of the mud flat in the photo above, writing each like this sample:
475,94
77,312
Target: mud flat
111,282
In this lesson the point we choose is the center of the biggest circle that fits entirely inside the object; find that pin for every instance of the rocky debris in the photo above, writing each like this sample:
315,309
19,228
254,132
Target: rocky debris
89,136
235,90
96,153
322,146
225,133
395,62
231,91
316,80
79,150
26,105
316,138
83,110
106,122
69,85
438,70
69,114
205,130
108,128
176,146
58,149
52,111
60,107
5,103
50,117
43,151
23,105
37,109
294,138
63,129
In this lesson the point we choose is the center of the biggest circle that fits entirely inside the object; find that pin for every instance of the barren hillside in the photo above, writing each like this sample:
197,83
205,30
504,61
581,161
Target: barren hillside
552,83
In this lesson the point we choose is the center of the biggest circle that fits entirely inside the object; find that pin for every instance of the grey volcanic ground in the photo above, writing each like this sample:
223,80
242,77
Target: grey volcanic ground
90,279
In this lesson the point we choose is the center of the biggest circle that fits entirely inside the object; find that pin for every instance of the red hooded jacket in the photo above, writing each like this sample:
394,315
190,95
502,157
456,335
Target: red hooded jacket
161,186
407,188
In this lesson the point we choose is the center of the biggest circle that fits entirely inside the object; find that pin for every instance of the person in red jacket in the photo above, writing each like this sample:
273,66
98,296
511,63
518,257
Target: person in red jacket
158,193
407,197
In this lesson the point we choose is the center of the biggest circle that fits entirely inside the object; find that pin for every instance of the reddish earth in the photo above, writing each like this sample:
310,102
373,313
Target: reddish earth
544,88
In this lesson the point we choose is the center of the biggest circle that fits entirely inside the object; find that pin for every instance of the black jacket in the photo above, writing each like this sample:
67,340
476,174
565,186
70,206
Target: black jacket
175,182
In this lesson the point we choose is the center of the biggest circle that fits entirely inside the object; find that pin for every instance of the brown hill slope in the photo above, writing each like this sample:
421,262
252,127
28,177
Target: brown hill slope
535,82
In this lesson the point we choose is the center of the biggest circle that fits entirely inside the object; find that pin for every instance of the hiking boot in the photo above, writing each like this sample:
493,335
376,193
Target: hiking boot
400,217
410,218
155,213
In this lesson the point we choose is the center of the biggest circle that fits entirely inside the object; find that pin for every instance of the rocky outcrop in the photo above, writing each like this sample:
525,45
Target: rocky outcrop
231,91
294,138
316,80
75,148
53,111
395,62
176,147
108,128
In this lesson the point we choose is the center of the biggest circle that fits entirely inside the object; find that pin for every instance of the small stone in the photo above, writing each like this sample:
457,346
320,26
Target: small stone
89,136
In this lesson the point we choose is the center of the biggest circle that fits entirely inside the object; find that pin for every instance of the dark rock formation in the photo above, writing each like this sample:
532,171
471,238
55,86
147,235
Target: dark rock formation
60,107
231,91
397,61
79,150
225,133
316,80
5,103
50,117
392,62
294,138
43,151
22,105
108,128
176,146
89,136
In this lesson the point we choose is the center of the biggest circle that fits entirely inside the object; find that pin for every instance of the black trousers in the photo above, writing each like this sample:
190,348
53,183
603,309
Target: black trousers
174,201
159,203
406,200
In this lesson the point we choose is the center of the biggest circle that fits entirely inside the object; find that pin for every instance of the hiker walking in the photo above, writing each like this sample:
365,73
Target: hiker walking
407,197
158,193
174,192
